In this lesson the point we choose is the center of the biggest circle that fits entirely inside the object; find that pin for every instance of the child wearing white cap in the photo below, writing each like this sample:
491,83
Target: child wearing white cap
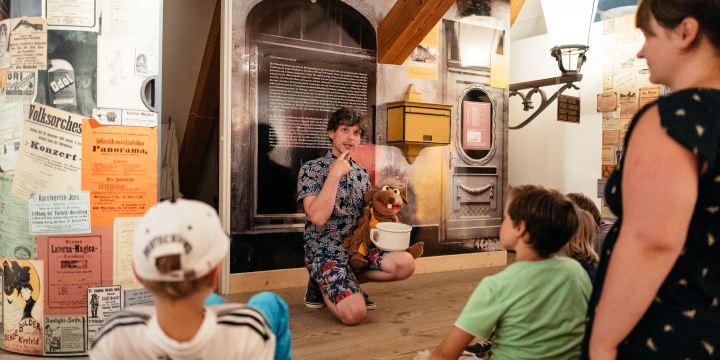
177,255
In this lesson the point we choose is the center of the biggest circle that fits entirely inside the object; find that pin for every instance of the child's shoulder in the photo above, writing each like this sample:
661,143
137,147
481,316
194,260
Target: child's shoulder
241,316
127,320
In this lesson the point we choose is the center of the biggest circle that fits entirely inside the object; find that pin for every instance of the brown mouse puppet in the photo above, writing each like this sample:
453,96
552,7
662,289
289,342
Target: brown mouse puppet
385,201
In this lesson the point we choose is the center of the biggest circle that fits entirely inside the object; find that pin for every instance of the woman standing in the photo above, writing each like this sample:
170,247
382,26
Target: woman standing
658,284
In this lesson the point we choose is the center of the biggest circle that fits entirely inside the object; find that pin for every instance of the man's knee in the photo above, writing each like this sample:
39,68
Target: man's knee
352,311
405,266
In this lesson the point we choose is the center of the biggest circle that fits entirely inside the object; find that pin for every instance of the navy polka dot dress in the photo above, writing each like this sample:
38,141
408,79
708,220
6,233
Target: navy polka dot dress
683,321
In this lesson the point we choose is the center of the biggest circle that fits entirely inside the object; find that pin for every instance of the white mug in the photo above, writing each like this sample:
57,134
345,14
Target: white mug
391,236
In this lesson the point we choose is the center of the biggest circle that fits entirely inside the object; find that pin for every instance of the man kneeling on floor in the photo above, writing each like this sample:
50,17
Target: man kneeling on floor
177,254
331,190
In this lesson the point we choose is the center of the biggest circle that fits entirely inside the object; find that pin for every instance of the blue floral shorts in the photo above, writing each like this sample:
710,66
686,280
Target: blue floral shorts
335,277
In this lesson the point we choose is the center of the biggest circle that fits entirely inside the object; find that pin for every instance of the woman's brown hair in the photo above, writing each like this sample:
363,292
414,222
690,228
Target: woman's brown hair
670,13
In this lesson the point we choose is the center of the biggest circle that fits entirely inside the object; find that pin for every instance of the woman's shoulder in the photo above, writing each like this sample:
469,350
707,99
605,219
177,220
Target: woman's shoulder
695,102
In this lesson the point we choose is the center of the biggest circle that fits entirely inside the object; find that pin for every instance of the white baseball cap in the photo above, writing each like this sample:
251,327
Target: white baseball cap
189,230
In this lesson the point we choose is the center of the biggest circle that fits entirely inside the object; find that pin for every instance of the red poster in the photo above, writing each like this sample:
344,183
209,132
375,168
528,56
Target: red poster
72,264
476,125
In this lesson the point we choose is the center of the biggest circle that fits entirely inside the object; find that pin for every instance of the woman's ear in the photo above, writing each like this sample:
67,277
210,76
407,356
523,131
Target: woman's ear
688,32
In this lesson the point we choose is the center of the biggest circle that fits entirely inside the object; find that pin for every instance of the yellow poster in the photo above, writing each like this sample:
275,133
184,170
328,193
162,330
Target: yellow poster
23,306
423,62
498,71
119,168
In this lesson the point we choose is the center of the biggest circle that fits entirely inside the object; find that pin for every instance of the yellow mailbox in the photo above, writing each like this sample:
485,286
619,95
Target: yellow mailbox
414,125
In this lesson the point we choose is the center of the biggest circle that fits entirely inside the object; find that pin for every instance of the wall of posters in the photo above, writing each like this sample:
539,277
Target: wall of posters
28,43
23,306
50,152
119,170
101,302
123,273
65,335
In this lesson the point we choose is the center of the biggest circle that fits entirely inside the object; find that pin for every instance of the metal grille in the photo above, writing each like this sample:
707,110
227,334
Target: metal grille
475,209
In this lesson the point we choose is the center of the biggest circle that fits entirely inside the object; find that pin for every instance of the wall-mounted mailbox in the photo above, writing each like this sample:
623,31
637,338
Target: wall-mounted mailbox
412,126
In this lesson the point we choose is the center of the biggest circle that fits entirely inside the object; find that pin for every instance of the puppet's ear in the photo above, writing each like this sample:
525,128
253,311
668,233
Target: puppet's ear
371,193
403,193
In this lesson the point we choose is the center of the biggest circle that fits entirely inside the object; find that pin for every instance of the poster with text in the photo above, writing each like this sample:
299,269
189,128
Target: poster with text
60,213
21,86
124,236
117,84
23,306
15,239
423,62
476,125
648,95
119,170
138,297
50,152
65,335
101,303
28,43
4,44
73,263
73,15
11,124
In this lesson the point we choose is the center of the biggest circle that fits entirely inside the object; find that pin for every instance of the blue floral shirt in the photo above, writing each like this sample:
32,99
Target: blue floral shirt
327,240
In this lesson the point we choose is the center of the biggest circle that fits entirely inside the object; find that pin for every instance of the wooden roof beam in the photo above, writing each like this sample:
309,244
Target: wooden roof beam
515,7
405,26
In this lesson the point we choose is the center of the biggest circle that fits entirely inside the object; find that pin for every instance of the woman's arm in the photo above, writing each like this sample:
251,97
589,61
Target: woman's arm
453,345
659,192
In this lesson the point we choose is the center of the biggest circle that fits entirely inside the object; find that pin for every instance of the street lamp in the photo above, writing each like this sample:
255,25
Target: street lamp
568,23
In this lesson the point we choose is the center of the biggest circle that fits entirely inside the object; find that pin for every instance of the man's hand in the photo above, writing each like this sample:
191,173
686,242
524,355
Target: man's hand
340,167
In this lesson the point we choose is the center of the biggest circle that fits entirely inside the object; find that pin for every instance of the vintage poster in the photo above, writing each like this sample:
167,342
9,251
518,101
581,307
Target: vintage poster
117,84
610,137
108,116
643,78
476,125
628,37
648,95
624,127
607,170
611,120
60,213
625,58
625,23
605,211
138,297
423,62
607,101
23,306
601,183
628,103
4,44
15,239
119,170
608,155
624,79
50,152
70,84
72,263
609,41
568,108
65,335
131,19
11,124
28,43
618,153
124,236
609,27
101,303
607,72
21,86
139,118
72,15
146,60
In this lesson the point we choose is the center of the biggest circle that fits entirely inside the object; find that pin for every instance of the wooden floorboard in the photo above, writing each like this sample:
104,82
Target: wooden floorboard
411,316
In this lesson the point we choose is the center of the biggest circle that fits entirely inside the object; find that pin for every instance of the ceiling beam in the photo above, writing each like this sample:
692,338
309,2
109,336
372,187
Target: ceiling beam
405,26
515,7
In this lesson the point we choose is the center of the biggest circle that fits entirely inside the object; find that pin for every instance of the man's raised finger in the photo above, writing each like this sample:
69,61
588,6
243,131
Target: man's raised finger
342,156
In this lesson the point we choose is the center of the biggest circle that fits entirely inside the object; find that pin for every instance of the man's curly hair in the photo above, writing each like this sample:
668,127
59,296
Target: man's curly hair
349,117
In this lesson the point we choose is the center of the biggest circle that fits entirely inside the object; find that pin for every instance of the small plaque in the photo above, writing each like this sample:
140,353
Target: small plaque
569,109
427,137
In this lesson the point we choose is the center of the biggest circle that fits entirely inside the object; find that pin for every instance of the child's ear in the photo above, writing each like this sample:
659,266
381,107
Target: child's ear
521,229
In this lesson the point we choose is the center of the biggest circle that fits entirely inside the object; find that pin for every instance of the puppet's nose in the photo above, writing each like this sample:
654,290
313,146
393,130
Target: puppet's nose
391,200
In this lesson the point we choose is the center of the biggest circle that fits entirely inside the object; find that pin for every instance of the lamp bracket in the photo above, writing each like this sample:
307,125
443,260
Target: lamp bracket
534,87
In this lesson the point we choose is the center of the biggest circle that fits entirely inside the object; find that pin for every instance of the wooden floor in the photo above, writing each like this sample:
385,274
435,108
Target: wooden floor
411,316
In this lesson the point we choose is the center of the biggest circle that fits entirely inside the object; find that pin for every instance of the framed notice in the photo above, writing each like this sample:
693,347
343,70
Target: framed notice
476,125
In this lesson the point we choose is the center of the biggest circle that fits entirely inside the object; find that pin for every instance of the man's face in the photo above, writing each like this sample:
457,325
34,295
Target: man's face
345,138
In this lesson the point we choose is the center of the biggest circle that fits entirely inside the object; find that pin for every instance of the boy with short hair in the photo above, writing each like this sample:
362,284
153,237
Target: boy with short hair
177,254
535,307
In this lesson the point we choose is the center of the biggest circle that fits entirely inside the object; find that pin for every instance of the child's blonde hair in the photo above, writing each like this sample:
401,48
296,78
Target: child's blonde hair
580,246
